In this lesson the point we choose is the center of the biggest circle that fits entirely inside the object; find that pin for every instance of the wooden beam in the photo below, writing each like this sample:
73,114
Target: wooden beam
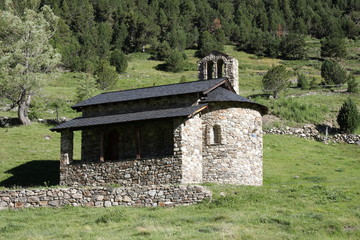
102,159
138,143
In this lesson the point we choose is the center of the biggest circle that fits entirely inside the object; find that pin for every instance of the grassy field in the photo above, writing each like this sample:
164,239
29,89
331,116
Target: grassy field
309,192
142,72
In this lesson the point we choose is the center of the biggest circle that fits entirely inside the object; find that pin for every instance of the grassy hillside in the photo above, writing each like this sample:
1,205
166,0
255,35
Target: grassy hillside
309,192
316,106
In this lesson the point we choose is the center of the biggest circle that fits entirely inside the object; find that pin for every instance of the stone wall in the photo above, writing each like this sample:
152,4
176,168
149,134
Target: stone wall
165,170
310,131
152,196
191,149
236,158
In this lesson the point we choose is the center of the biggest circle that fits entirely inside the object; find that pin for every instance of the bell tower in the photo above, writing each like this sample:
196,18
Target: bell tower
219,65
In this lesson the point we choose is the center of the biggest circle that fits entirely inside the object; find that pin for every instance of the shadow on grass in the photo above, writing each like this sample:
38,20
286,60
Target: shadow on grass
40,173
161,67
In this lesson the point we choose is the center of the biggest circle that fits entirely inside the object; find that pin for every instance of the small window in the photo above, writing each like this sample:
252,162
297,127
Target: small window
213,135
217,134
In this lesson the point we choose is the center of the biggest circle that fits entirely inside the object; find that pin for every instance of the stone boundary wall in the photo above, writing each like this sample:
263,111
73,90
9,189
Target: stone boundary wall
156,171
310,132
137,196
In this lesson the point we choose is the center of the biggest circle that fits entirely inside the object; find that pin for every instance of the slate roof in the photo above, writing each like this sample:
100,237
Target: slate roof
81,122
221,94
150,92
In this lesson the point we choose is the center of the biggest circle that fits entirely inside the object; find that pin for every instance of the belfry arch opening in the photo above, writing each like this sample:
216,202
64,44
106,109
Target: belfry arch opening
210,66
220,68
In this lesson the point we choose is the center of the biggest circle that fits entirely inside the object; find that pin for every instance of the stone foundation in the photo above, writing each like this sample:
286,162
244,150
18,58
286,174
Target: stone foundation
139,196
165,170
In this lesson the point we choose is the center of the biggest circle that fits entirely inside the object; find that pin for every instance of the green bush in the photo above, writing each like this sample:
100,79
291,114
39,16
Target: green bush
276,80
162,51
348,117
175,62
119,61
107,76
333,73
353,85
86,87
303,82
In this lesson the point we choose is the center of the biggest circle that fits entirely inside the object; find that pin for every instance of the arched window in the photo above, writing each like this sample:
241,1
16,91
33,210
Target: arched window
210,66
220,68
217,134
112,146
213,134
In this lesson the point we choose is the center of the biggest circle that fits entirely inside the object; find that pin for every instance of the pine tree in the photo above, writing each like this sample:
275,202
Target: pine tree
353,85
348,117
292,46
333,47
333,73
118,60
276,80
106,76
25,52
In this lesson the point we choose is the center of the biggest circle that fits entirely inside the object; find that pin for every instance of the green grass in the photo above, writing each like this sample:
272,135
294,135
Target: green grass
29,154
311,191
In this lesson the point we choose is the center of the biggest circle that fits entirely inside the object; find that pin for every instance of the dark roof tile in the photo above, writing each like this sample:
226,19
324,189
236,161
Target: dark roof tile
150,92
81,122
223,95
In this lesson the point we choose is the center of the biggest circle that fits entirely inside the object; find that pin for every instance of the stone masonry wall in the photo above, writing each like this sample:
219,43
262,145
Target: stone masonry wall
191,149
165,170
237,159
152,196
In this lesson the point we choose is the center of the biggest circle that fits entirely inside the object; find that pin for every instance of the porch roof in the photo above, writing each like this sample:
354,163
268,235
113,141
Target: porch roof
83,122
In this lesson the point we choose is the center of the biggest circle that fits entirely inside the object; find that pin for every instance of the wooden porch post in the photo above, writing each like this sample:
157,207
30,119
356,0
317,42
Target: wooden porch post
102,159
67,147
138,143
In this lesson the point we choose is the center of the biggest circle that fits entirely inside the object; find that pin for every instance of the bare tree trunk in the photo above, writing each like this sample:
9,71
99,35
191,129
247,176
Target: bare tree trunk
23,110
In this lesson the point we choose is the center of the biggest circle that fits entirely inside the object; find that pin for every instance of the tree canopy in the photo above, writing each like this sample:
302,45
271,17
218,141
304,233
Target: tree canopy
276,80
25,52
89,30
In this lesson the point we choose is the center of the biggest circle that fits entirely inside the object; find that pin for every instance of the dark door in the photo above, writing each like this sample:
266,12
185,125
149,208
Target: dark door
112,148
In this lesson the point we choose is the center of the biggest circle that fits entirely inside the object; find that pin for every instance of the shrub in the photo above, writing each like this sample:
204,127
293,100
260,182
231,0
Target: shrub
182,79
292,46
119,61
348,117
333,73
353,85
86,87
303,82
313,83
333,47
276,80
107,76
175,62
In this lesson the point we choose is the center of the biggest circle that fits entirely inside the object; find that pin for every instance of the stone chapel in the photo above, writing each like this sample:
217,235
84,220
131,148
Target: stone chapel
193,132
